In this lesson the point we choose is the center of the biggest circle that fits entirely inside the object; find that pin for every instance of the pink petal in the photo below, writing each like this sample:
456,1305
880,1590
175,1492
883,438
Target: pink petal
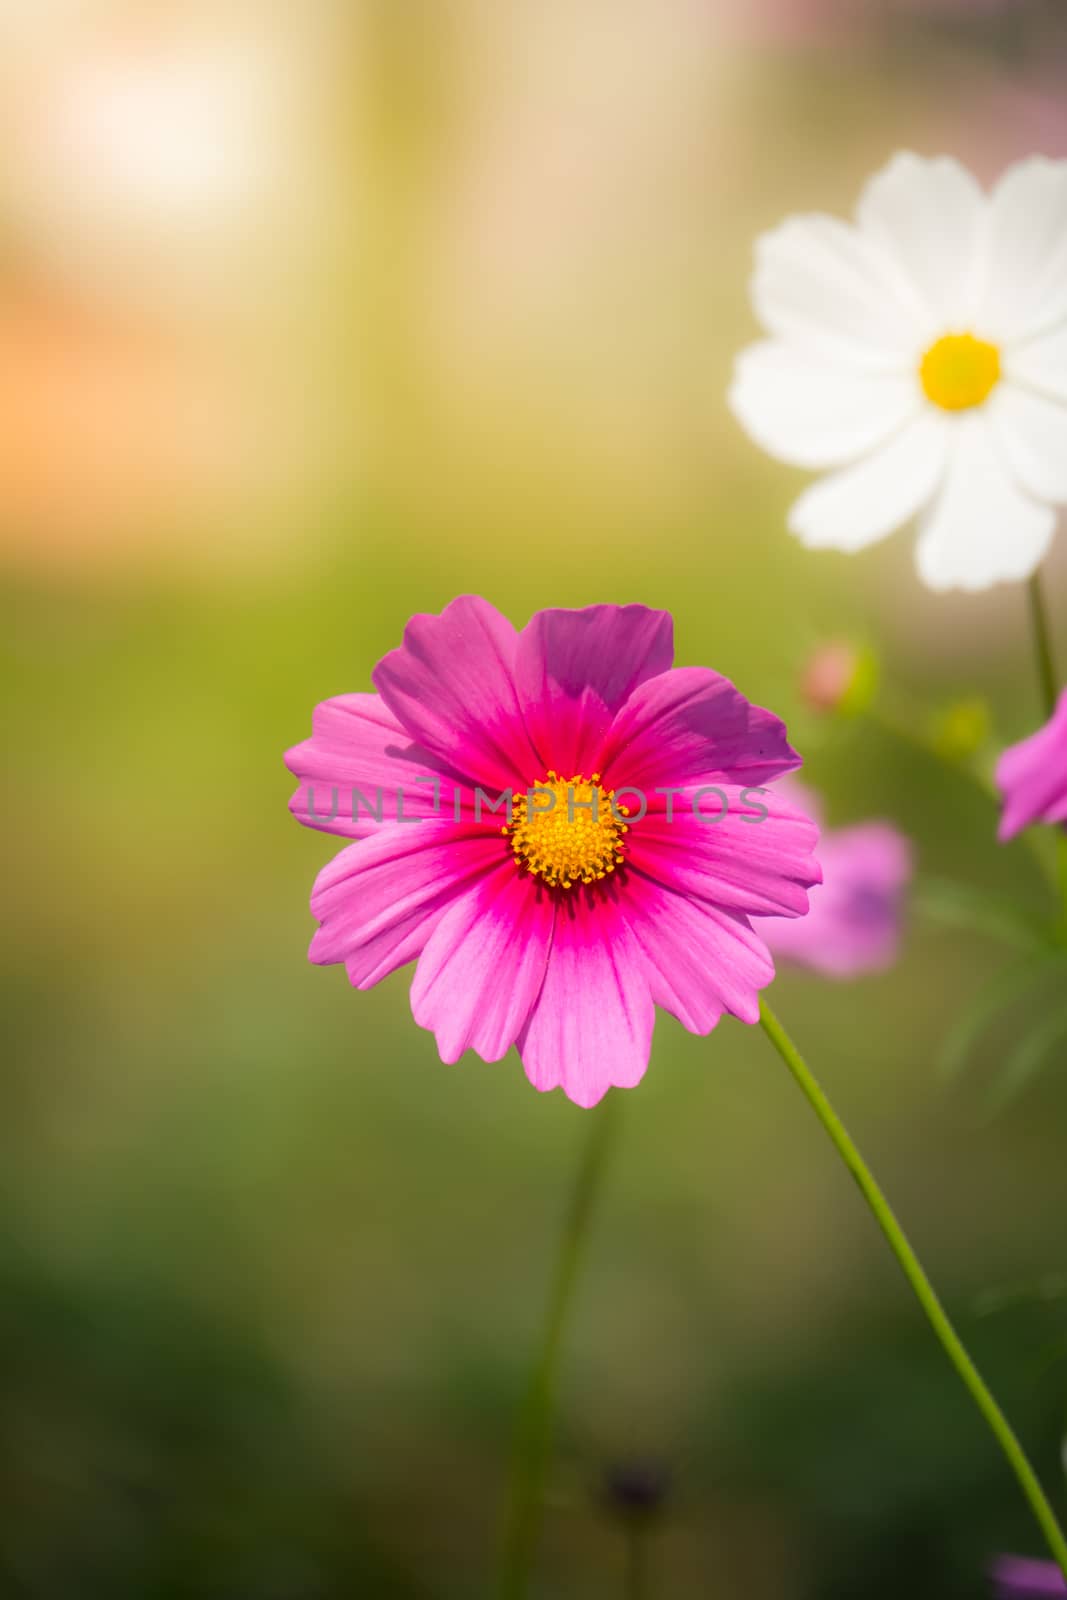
380,899
760,868
1019,1578
484,964
691,726
451,684
577,668
591,1026
1032,776
700,960
357,743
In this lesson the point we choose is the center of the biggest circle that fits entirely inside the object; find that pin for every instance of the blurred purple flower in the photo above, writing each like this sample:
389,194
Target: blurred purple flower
1017,1578
636,1488
854,922
1032,776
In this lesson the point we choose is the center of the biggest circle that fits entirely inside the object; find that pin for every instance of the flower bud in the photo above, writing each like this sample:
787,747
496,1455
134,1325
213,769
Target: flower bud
962,729
840,677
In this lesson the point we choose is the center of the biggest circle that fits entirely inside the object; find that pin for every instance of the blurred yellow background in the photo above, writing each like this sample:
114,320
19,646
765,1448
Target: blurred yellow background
312,317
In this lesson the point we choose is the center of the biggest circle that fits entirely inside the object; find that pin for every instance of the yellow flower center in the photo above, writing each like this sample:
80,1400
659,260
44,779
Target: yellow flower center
959,371
566,830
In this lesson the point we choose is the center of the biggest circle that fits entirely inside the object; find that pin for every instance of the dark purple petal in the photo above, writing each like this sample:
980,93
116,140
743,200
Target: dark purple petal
576,669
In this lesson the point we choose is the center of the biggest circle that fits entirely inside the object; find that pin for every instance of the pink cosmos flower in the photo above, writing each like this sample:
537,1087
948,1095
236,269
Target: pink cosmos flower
1032,776
641,839
854,924
1016,1578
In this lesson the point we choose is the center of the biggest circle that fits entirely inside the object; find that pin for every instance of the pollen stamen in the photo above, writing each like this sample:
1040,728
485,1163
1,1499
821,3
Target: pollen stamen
960,371
579,839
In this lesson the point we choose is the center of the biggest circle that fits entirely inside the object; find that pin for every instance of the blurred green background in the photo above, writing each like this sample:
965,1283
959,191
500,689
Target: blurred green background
311,318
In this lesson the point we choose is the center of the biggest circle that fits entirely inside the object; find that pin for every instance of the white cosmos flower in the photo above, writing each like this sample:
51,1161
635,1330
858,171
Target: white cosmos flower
921,352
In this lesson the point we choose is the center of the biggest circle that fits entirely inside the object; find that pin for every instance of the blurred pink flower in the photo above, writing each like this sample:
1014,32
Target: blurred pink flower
854,924
562,929
1016,1578
1032,776
799,21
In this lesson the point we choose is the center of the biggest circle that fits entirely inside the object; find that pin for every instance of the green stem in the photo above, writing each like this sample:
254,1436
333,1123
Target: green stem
1046,670
534,1435
921,1286
637,1558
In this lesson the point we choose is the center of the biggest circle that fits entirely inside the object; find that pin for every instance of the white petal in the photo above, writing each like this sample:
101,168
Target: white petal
981,529
1032,434
929,217
1040,364
814,415
866,501
820,285
1026,283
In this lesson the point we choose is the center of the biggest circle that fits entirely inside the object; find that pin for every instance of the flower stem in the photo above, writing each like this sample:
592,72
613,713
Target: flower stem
1046,670
533,1440
637,1559
923,1289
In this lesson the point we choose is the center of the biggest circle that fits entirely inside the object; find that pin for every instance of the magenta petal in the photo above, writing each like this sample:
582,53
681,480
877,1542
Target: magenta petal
760,868
380,899
1032,776
484,964
691,726
451,684
700,960
575,670
591,1026
357,744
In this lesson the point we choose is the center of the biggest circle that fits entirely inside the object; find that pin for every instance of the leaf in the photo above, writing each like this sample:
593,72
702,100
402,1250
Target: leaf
1046,1289
1026,1059
1009,985
961,905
